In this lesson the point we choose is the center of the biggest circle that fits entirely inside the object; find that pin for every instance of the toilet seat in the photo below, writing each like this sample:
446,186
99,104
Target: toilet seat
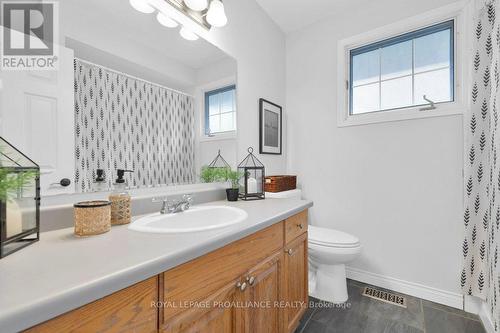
331,238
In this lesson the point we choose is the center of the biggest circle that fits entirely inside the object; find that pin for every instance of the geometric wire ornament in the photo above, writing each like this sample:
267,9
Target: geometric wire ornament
20,200
219,162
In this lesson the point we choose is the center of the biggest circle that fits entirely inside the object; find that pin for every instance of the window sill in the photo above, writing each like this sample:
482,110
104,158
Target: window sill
448,109
218,137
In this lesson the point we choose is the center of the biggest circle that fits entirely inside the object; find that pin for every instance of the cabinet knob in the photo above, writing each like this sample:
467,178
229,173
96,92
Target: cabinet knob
300,226
251,280
289,251
241,286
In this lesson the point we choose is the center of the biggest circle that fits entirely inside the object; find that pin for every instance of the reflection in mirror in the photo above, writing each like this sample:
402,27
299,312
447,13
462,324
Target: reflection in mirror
129,93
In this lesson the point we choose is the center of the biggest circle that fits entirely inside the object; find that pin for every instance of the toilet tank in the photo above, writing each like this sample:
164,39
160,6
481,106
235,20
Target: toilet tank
297,194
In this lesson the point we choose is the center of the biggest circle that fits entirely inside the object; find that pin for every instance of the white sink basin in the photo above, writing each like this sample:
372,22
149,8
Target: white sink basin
192,220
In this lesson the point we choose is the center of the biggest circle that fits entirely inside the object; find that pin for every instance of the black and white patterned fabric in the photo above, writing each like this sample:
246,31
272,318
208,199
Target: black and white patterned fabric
480,275
126,123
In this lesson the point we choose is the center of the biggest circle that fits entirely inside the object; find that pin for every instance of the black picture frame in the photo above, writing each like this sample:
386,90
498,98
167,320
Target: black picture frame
277,109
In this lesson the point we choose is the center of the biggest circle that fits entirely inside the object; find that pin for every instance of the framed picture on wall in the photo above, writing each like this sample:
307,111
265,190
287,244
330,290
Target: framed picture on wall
270,128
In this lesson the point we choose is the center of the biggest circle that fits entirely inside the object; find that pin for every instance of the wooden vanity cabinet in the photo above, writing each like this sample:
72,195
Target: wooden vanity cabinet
256,284
264,276
127,310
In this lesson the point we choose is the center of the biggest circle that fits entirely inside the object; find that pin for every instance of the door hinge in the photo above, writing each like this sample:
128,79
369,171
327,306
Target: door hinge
346,85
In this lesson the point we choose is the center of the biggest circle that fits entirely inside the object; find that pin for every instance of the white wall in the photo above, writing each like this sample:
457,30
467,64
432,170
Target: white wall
396,185
215,76
258,45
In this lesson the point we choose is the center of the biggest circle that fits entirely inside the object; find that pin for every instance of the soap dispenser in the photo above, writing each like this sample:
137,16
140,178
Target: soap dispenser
99,184
120,200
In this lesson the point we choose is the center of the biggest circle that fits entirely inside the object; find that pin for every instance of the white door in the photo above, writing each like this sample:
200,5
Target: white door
37,117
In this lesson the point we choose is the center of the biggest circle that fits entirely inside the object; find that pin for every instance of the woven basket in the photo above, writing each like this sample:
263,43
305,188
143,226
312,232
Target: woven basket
120,209
280,183
92,217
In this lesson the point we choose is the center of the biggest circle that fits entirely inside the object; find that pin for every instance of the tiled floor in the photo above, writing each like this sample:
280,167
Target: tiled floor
361,314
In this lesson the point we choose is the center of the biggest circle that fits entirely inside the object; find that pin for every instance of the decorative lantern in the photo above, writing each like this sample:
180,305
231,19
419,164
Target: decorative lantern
252,181
19,200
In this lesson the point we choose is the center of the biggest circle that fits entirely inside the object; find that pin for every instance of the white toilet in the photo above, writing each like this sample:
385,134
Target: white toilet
329,251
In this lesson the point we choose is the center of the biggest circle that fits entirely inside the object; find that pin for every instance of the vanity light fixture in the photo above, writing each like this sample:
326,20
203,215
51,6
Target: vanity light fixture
188,34
166,21
142,6
198,5
216,15
191,15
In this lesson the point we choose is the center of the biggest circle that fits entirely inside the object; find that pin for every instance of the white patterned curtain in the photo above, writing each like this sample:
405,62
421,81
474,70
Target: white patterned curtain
125,123
480,275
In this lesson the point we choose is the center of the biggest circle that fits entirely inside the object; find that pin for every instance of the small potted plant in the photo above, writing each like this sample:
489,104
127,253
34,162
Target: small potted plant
233,191
223,174
213,175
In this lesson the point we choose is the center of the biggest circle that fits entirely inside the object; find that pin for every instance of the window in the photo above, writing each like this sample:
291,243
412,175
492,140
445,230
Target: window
396,73
220,110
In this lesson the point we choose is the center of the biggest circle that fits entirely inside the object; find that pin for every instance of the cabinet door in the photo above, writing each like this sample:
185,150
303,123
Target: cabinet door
204,276
217,313
295,281
263,313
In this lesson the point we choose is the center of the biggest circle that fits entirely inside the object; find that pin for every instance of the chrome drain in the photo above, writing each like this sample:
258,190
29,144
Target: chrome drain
385,296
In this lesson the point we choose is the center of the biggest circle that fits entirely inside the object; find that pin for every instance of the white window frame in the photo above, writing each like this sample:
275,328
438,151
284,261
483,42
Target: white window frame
456,12
203,137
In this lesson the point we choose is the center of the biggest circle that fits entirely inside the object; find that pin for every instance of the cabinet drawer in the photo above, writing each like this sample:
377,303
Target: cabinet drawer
199,278
295,226
127,310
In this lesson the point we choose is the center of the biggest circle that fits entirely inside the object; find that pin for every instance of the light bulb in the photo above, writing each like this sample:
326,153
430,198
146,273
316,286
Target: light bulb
197,5
143,6
216,15
166,21
188,34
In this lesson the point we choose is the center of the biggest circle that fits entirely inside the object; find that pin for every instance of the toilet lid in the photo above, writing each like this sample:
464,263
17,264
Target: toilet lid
331,237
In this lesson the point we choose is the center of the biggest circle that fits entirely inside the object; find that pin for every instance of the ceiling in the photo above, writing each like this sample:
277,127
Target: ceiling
291,15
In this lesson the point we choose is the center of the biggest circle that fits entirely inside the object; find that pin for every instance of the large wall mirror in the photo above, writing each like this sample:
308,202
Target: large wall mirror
129,93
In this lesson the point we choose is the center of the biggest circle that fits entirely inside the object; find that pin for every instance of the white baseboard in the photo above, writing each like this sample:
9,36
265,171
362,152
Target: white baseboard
473,304
454,300
485,315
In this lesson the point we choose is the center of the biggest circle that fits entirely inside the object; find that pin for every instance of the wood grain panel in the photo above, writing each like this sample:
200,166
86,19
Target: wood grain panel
295,281
213,314
201,277
264,314
128,310
295,226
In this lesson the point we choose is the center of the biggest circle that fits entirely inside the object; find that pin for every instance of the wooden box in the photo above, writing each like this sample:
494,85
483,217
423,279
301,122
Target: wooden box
280,183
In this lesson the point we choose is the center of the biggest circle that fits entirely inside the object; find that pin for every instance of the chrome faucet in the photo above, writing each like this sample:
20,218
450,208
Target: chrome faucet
174,206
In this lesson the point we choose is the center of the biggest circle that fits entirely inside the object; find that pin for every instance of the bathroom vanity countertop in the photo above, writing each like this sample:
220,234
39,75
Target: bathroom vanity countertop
62,272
